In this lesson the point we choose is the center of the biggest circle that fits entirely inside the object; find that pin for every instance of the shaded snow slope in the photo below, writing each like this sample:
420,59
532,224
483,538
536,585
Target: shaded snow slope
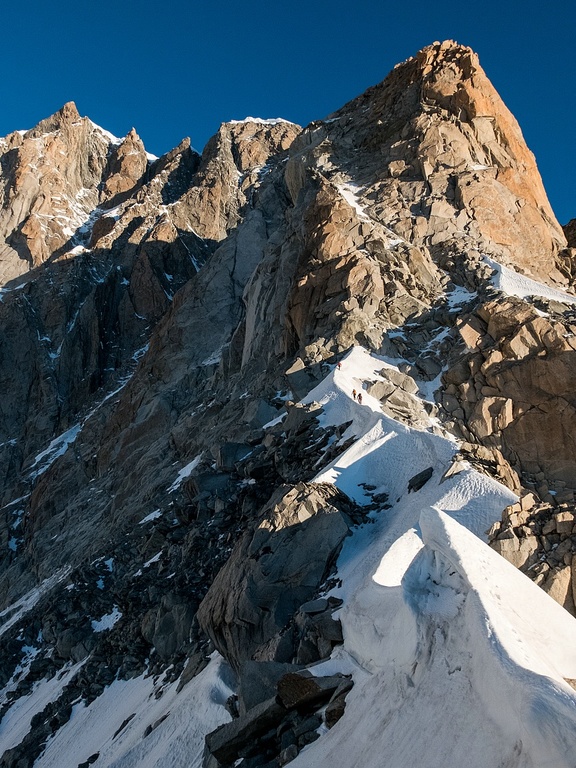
176,723
16,723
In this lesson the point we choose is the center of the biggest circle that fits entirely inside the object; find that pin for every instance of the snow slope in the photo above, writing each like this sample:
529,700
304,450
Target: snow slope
178,723
16,723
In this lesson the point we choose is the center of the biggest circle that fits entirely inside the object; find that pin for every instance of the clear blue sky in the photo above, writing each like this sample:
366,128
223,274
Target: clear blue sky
180,67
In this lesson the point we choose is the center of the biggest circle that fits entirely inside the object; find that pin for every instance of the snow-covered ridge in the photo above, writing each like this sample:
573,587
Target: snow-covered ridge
457,656
469,665
57,448
107,135
261,121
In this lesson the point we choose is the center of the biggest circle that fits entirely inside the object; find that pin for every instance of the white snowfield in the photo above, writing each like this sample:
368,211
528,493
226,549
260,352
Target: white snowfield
458,659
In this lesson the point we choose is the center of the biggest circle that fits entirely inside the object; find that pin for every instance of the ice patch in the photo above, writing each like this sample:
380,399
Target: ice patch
107,621
57,448
214,358
184,473
459,296
349,192
20,608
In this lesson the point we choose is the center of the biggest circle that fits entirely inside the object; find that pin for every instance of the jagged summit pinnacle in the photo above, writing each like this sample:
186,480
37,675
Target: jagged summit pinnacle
65,116
437,119
69,111
441,49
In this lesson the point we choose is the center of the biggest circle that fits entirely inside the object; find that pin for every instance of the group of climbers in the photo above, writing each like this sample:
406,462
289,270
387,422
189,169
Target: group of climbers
356,395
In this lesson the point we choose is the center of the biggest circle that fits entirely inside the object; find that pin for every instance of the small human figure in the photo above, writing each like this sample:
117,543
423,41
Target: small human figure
360,397
339,365
354,394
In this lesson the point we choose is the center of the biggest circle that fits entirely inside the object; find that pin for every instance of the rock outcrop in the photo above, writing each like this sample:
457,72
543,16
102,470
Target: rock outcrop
233,162
273,571
540,539
281,726
512,390
570,233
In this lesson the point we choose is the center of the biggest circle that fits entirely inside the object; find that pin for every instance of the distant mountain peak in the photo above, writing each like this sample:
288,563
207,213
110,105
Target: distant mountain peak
69,111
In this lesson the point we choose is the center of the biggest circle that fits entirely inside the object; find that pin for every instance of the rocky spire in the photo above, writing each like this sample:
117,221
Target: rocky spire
65,116
126,167
447,163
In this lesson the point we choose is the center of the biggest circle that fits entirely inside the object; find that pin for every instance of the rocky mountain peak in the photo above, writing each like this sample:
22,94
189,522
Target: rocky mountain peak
63,118
69,111
253,141
453,79
127,165
250,399
52,177
444,160
232,162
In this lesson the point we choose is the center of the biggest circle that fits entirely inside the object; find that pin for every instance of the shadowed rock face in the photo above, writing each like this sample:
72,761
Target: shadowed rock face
78,317
570,233
156,313
274,570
